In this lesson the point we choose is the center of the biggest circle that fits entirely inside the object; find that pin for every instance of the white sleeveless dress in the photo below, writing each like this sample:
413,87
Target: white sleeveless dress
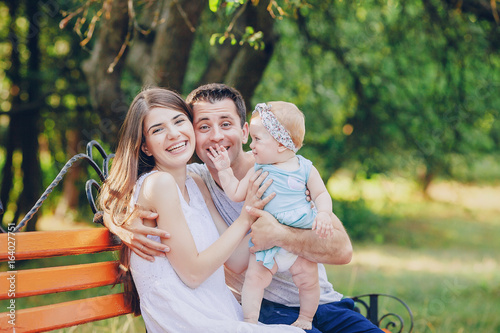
168,305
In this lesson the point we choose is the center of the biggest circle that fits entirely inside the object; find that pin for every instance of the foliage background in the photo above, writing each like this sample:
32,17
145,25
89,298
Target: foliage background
390,89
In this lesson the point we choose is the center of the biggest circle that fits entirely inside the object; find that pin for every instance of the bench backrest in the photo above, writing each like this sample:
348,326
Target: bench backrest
40,281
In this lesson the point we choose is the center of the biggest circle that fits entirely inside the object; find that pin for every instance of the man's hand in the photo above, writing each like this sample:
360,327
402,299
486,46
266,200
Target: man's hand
323,225
133,233
265,230
268,232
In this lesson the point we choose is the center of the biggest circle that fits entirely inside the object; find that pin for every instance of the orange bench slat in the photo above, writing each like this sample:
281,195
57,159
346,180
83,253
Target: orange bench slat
43,244
51,317
58,279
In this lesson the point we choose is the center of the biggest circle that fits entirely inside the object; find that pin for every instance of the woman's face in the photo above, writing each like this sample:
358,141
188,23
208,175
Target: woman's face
169,138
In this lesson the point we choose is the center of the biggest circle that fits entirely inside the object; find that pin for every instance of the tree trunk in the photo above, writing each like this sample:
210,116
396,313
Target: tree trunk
13,139
249,65
32,173
138,60
482,9
7,172
70,193
221,61
426,180
219,66
172,44
106,94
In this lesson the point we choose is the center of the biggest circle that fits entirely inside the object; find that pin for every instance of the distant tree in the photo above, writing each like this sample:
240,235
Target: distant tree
155,45
25,111
45,102
392,86
400,85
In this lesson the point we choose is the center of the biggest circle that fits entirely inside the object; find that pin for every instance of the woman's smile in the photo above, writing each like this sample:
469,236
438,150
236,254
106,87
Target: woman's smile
177,147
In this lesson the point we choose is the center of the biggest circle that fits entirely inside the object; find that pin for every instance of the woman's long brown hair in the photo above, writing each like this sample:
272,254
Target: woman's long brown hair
128,164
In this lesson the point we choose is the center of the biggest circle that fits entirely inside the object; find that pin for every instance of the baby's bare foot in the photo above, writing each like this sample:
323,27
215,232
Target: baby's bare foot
303,323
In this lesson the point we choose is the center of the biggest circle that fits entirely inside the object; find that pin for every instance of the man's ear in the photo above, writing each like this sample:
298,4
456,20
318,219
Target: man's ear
145,150
245,130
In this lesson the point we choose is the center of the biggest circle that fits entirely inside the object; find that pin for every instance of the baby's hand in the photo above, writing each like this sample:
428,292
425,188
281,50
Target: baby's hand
323,225
219,157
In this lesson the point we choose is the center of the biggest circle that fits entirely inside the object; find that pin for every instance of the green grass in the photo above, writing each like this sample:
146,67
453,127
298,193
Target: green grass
439,256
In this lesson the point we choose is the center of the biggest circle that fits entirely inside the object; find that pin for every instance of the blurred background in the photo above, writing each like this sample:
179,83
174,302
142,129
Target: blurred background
401,101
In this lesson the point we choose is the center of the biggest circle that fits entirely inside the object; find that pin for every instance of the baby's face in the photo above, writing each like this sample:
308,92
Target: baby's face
264,146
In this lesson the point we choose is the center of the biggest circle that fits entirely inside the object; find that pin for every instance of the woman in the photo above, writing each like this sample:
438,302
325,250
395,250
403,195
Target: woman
184,292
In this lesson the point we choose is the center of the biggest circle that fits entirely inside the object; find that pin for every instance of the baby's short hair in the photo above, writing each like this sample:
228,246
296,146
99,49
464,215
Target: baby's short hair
289,115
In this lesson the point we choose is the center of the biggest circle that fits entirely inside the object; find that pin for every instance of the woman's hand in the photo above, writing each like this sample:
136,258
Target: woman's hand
133,233
255,192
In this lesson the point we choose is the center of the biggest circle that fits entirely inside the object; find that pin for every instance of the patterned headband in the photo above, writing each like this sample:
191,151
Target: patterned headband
274,127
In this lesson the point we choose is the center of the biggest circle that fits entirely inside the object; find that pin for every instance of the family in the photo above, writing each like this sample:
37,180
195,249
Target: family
187,226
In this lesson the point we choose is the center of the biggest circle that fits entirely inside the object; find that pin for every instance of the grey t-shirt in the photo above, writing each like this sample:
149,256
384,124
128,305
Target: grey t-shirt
282,289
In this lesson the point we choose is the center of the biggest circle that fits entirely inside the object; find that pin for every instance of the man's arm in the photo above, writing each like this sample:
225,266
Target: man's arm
268,232
133,234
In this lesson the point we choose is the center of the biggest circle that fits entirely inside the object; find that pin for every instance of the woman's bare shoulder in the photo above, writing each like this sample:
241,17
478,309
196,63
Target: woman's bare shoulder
159,184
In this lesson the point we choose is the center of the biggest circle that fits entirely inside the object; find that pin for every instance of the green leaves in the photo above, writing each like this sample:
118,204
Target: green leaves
213,5
252,38
229,6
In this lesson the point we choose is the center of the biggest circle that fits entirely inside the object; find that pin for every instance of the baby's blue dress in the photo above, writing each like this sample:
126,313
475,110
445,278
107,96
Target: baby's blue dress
290,206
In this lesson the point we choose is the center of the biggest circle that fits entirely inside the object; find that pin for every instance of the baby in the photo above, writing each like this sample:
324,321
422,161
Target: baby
277,130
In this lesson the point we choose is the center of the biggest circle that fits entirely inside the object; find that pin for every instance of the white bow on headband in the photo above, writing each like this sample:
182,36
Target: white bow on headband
274,127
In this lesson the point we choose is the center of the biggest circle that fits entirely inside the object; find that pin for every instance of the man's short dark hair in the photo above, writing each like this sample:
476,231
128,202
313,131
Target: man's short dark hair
216,92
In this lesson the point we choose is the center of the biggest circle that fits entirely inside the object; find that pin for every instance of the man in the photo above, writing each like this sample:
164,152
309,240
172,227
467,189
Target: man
219,117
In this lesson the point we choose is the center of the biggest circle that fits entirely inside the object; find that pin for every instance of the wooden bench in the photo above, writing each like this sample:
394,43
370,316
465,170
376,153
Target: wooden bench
15,283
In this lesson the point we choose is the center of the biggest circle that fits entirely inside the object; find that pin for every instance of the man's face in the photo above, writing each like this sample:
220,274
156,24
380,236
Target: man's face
218,123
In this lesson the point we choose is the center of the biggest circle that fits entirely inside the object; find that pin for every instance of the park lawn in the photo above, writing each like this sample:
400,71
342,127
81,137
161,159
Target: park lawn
439,256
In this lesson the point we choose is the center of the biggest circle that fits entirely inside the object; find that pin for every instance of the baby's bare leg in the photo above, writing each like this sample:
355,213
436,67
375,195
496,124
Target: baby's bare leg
305,277
257,278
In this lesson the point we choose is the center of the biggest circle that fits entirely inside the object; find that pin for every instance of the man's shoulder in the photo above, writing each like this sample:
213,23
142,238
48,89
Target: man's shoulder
198,168
202,171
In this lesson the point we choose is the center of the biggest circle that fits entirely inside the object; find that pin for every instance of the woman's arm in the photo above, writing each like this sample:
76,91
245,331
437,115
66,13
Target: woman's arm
159,192
238,261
